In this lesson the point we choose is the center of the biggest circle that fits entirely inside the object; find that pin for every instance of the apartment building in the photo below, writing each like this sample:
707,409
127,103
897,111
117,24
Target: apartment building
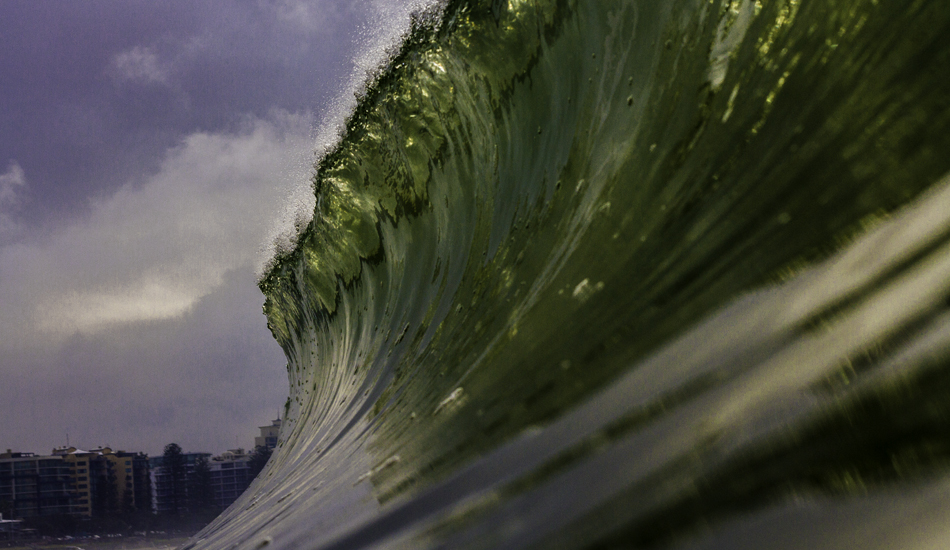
230,476
111,480
163,494
268,437
32,485
72,481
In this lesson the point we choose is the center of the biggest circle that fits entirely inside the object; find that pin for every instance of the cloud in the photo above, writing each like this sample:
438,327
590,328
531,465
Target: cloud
204,380
146,304
12,184
303,14
292,11
140,65
151,251
151,298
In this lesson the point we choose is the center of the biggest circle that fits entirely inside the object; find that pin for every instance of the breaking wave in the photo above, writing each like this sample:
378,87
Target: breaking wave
604,274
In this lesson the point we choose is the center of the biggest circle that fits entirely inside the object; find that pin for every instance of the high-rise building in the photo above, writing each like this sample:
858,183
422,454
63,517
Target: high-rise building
105,481
163,493
33,485
9,527
141,482
130,472
84,470
230,476
268,437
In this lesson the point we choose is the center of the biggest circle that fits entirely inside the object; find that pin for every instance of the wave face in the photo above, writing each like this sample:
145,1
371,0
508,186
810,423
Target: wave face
598,274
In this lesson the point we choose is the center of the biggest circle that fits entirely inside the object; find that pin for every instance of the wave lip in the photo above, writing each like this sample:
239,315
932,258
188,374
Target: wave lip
621,273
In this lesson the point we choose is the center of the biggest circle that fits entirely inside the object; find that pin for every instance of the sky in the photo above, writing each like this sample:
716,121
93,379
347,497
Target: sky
150,154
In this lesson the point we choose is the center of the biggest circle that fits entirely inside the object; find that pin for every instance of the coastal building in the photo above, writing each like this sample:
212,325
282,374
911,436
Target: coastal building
230,476
130,472
105,481
33,485
268,437
72,481
9,527
84,472
163,486
141,482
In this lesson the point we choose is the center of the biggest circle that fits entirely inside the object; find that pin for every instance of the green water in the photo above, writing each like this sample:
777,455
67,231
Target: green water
583,274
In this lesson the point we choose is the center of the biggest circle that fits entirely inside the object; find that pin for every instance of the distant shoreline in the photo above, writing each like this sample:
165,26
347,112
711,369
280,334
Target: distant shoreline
124,543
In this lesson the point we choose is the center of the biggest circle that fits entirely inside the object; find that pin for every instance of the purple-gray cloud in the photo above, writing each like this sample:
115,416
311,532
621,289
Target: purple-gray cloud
147,151
92,93
123,309
140,65
12,190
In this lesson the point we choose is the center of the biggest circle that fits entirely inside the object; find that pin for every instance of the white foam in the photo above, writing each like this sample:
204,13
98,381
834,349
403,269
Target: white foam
729,35
379,40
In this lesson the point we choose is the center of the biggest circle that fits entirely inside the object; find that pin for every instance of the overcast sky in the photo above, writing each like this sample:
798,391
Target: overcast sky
147,152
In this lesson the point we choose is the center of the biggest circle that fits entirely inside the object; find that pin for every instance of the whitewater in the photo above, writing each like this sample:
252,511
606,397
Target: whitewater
623,274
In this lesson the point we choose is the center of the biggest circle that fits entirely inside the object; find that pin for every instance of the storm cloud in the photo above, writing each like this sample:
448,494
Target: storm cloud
147,153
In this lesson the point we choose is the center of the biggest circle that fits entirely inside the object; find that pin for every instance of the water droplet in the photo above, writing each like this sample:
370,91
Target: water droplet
584,290
453,397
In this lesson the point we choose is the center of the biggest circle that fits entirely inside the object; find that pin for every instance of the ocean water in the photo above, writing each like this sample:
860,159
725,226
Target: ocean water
624,274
